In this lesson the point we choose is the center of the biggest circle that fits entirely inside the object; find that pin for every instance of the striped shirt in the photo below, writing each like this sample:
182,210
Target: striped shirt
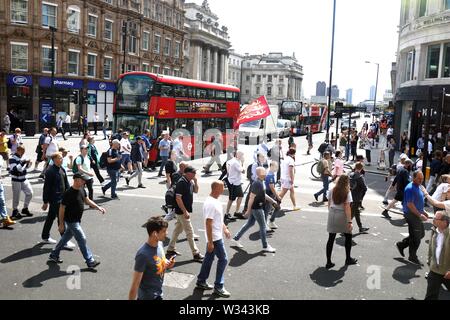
18,168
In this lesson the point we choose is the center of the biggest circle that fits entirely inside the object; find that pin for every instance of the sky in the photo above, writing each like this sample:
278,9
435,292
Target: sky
365,31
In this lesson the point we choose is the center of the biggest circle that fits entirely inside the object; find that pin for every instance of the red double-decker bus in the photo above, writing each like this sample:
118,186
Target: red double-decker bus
304,116
163,103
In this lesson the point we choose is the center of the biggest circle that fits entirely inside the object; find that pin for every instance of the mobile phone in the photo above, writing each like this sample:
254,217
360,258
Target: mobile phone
173,257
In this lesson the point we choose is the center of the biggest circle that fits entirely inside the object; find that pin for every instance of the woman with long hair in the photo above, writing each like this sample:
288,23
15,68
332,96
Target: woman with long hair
340,219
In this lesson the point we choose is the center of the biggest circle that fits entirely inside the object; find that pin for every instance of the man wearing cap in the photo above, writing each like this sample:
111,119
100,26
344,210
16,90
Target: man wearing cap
70,214
55,185
184,190
164,149
401,180
113,167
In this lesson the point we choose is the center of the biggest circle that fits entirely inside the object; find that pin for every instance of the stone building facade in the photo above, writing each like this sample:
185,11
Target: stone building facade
89,46
207,45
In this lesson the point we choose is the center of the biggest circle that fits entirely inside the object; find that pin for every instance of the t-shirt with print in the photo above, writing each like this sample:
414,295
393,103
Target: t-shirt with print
287,163
150,261
185,189
270,179
257,188
212,209
85,163
73,200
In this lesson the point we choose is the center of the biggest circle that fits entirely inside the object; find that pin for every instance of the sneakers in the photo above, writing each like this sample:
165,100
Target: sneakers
295,209
69,246
103,191
385,214
16,215
400,249
8,222
196,236
170,216
141,186
236,243
385,202
204,286
269,249
54,260
363,230
170,254
272,225
26,212
351,261
316,197
330,265
93,264
239,215
222,293
198,257
229,217
49,241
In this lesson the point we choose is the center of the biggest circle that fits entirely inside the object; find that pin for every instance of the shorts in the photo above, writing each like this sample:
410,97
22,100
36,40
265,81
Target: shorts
126,159
235,192
286,184
399,196
5,155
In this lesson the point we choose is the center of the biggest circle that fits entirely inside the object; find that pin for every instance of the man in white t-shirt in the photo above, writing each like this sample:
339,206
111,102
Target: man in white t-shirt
83,165
125,150
68,124
234,171
49,148
287,177
215,228
179,148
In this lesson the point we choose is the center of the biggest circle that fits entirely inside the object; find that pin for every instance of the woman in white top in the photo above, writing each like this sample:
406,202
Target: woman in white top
84,140
340,219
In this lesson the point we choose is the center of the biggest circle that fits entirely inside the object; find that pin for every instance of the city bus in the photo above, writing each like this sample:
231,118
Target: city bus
163,103
303,116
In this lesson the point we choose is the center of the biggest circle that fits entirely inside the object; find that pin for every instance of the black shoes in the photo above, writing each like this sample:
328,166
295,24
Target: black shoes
204,286
229,217
239,215
351,261
93,264
141,186
16,215
26,212
198,257
329,265
363,230
415,260
400,249
170,254
127,180
385,214
316,197
325,200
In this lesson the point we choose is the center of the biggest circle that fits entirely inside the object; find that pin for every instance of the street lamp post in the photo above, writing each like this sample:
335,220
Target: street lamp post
331,72
53,30
376,86
124,41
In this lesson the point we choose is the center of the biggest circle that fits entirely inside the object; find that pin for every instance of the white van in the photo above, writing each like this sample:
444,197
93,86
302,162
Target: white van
253,132
284,128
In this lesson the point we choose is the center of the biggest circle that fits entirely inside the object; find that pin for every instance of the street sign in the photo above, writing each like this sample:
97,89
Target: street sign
46,111
152,121
91,98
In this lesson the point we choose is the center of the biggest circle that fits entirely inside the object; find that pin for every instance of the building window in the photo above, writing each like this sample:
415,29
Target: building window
108,30
167,45
145,40
91,63
132,44
73,19
159,13
447,4
177,49
166,71
47,59
157,46
176,73
49,15
247,78
247,91
280,91
92,26
131,68
258,90
156,69
108,1
107,66
405,17
145,67
433,61
410,60
19,11
269,91
74,58
147,8
446,68
258,78
19,56
269,78
281,79
422,7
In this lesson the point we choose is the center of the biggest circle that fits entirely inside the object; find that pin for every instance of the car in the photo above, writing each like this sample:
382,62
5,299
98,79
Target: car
283,128
367,115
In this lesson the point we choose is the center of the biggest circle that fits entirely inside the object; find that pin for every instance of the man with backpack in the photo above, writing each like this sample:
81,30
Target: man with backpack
137,157
113,164
358,188
169,207
82,165
324,169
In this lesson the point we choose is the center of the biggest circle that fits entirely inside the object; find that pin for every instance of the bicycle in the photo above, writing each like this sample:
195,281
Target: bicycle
347,169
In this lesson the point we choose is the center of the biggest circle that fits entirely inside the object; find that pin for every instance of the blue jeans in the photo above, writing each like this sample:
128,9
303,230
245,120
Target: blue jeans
114,176
256,216
104,133
163,164
219,251
326,183
74,230
3,212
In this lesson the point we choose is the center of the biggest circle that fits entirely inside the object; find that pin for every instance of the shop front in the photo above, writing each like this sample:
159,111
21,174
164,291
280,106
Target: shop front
68,94
100,99
19,98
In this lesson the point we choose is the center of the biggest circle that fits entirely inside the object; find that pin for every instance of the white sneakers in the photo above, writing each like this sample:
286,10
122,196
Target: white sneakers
269,249
49,241
236,243
272,225
70,245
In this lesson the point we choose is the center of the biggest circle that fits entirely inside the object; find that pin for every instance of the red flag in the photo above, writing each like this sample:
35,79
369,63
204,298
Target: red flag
258,109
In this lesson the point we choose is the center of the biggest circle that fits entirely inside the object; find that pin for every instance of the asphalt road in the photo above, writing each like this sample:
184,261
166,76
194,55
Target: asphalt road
295,272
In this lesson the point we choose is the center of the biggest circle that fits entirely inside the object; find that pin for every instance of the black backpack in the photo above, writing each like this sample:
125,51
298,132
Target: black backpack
103,160
170,198
249,172
322,148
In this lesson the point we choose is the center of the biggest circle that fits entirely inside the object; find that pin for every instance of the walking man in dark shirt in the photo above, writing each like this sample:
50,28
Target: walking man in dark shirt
358,188
70,213
401,180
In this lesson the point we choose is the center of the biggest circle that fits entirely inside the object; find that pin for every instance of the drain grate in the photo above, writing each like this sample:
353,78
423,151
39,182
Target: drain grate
178,280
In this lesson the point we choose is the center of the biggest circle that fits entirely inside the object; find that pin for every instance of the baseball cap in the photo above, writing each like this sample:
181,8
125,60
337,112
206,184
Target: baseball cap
190,169
80,176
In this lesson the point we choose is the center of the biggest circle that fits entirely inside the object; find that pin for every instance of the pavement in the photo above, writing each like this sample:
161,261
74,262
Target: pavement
295,272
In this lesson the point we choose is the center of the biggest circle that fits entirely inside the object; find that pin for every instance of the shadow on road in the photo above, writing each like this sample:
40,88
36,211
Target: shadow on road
33,220
241,257
328,278
200,294
404,274
317,204
37,250
398,223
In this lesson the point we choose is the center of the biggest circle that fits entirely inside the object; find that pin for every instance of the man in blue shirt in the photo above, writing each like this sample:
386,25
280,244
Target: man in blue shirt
164,150
413,209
